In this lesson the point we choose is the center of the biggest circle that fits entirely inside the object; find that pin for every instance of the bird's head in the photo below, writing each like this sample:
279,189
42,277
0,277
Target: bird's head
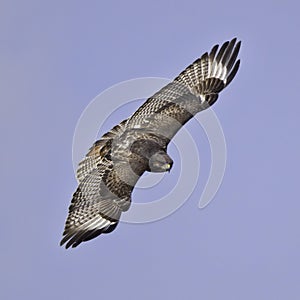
160,162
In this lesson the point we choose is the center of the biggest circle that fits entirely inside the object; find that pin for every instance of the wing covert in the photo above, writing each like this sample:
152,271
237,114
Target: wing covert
99,153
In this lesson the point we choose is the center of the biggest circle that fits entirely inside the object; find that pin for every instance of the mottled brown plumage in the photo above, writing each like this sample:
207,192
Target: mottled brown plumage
113,165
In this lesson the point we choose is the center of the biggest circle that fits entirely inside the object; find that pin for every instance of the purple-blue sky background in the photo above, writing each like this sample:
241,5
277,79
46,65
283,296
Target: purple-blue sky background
58,55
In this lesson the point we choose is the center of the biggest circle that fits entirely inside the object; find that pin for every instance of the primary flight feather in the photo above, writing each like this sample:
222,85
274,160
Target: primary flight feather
113,165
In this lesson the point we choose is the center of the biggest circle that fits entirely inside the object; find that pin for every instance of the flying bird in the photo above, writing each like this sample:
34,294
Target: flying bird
114,164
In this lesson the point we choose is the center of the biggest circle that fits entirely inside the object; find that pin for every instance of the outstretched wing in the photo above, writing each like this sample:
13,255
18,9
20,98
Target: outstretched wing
101,195
195,89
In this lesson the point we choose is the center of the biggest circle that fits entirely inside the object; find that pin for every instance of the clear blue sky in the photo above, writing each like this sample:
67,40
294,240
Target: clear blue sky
58,55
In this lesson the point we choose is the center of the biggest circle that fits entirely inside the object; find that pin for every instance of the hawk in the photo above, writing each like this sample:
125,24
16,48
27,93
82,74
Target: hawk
113,165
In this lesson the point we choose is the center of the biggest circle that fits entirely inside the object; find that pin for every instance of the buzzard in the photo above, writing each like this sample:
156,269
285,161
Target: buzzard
113,165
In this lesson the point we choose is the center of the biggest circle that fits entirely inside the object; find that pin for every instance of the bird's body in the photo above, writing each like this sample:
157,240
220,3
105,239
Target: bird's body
110,170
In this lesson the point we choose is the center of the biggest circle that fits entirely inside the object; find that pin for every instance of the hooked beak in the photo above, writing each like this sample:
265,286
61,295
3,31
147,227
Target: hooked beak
168,167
